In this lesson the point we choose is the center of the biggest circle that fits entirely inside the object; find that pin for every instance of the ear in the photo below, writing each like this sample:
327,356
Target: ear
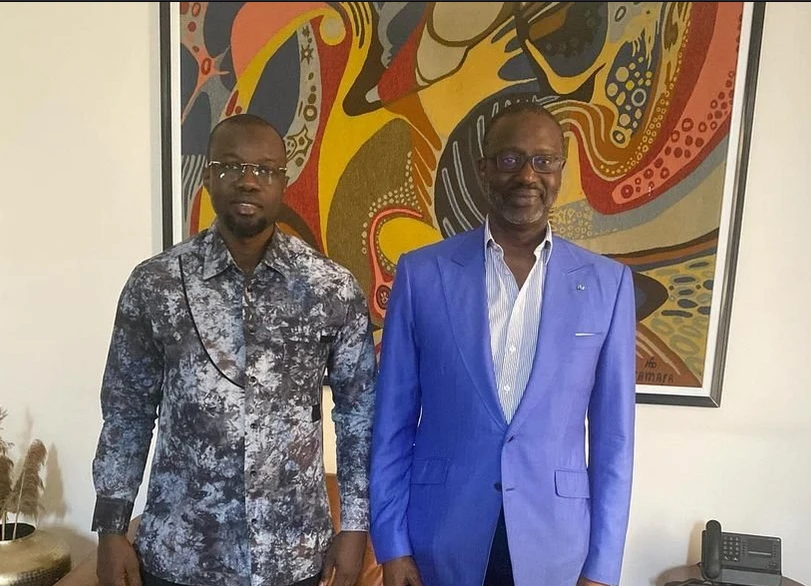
207,178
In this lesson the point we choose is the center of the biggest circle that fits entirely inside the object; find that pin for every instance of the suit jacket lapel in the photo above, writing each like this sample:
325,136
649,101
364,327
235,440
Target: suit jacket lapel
464,287
559,318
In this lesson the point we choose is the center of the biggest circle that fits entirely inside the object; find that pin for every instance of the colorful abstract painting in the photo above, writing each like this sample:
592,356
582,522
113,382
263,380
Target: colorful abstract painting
383,106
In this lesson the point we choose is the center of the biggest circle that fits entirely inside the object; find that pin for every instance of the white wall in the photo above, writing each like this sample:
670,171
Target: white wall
747,464
79,169
80,166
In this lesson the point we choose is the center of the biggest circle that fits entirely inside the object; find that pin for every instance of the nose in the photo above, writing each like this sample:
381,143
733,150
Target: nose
526,173
248,179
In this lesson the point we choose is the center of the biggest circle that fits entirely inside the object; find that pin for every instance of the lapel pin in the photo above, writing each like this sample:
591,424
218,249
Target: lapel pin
580,286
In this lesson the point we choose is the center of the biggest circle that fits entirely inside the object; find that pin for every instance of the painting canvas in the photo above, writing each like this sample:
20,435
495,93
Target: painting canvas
383,105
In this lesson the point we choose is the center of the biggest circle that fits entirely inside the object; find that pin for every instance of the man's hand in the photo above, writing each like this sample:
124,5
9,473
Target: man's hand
586,582
117,563
344,558
401,572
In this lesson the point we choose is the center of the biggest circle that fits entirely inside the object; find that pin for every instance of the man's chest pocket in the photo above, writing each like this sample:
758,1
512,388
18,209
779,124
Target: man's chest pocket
304,364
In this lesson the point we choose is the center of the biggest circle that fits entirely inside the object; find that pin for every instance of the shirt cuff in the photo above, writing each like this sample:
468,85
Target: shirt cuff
112,515
355,518
354,525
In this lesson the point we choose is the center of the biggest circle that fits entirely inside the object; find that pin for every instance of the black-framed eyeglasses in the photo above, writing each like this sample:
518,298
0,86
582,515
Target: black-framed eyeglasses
512,162
235,171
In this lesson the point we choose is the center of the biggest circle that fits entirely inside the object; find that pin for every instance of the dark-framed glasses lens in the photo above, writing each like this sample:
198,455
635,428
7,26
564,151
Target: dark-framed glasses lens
546,163
509,162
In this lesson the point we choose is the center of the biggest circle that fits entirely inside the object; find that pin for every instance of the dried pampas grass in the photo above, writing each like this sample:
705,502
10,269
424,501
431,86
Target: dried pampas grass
21,497
24,497
6,465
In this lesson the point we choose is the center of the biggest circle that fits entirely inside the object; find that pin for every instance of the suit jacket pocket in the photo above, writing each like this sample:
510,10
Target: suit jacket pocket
429,471
572,483
588,339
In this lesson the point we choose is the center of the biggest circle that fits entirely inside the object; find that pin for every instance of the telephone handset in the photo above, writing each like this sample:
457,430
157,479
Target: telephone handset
739,559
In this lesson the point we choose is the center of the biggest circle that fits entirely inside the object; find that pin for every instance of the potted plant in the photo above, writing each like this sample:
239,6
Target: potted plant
28,555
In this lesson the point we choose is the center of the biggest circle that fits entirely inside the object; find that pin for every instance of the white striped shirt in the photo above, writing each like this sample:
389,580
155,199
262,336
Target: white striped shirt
514,317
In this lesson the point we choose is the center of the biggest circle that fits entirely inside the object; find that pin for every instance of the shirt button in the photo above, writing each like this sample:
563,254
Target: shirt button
254,425
252,328
252,380
497,486
513,348
506,387
253,471
254,521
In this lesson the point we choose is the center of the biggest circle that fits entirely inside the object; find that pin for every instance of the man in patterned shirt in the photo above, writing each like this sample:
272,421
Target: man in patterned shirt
225,339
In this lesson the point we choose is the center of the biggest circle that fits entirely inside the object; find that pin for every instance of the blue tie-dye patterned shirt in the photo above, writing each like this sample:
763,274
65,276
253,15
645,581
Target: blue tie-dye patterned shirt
232,365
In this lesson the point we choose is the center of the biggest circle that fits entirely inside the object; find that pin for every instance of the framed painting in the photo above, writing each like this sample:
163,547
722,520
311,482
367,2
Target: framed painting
382,106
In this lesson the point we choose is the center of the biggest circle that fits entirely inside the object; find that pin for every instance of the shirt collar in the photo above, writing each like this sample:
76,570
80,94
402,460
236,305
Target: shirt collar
546,243
280,254
217,258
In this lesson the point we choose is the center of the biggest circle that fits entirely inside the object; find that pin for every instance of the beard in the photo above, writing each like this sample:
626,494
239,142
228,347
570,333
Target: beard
518,216
245,227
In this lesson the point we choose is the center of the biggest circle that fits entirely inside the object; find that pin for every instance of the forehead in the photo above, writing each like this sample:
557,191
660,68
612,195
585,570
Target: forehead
527,133
252,142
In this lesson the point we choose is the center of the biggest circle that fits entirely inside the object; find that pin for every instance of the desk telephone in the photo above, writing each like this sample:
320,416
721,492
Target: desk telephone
739,559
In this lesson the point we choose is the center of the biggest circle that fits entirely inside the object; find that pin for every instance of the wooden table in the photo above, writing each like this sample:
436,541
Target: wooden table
682,573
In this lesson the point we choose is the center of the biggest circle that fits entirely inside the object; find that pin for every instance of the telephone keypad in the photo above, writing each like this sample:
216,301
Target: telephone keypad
731,548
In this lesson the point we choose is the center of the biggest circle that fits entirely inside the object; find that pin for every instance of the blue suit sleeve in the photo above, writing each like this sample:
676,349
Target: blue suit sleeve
397,408
611,440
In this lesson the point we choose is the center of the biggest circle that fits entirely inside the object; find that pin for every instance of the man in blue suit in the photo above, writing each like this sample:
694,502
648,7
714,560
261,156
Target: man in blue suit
505,350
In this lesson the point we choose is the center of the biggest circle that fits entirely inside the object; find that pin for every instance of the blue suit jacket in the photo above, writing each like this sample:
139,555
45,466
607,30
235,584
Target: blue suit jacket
444,459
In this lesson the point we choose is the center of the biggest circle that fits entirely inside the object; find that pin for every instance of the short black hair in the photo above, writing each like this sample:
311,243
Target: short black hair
514,109
239,120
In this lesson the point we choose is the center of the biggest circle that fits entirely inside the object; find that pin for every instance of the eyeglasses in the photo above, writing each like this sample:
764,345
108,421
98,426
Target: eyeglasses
235,171
511,162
